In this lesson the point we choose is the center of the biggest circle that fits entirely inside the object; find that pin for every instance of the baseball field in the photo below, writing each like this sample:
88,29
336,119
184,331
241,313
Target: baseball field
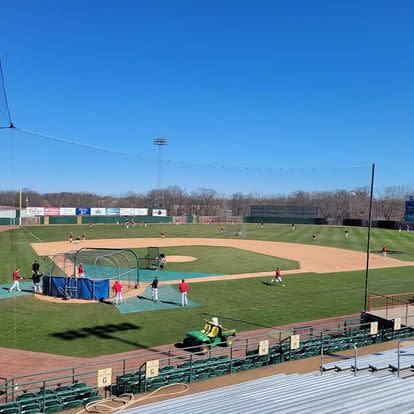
324,278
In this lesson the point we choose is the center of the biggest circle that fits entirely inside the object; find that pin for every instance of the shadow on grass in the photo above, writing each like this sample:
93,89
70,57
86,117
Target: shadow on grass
14,290
168,302
99,331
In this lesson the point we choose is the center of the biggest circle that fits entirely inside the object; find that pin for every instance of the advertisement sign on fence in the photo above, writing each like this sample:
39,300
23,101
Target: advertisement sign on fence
151,368
104,377
409,209
263,347
68,211
35,211
140,212
83,211
112,211
126,211
294,341
159,212
397,324
52,211
99,211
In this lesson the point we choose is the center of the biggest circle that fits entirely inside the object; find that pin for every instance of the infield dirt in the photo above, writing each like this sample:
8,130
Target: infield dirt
312,259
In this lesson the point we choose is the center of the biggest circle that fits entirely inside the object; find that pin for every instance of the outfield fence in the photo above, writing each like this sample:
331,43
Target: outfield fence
388,302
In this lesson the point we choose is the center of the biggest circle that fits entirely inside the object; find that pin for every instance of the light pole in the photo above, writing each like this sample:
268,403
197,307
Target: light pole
160,142
369,238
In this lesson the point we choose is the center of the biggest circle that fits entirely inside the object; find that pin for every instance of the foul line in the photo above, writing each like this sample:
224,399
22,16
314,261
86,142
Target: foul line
33,235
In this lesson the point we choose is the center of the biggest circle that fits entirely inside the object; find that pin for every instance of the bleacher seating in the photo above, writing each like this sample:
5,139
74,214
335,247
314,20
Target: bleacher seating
51,400
386,360
215,366
307,393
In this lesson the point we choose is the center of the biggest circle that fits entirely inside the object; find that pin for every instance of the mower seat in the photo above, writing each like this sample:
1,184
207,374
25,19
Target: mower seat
214,332
207,328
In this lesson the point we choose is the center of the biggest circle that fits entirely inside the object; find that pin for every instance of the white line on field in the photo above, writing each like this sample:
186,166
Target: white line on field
37,238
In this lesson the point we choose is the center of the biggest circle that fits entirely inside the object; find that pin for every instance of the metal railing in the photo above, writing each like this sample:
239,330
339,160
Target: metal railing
399,353
333,356
378,301
240,349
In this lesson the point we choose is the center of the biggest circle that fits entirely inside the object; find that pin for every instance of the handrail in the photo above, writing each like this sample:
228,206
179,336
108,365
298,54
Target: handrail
391,300
355,359
398,353
355,356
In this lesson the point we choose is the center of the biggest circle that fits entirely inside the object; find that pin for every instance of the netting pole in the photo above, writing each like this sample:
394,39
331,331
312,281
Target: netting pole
369,237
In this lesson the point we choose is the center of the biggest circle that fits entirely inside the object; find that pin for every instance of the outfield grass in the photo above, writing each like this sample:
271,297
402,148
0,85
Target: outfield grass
96,329
222,260
400,244
246,304
15,248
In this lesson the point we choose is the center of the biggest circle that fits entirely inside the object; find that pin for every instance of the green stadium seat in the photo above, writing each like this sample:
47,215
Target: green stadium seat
167,368
217,373
9,405
26,396
53,409
175,377
67,404
79,385
11,410
33,407
91,399
203,376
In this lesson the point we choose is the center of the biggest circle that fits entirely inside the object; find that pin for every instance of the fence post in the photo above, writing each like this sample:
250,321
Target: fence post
44,396
321,364
123,366
13,389
231,359
406,313
191,368
6,385
169,357
398,356
73,375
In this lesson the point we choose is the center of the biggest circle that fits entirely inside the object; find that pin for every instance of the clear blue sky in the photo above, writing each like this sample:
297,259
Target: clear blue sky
255,84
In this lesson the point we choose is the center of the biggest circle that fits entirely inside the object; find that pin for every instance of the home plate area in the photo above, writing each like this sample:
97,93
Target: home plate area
168,298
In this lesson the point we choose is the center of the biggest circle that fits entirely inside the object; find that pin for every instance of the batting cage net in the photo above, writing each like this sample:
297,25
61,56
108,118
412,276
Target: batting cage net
112,264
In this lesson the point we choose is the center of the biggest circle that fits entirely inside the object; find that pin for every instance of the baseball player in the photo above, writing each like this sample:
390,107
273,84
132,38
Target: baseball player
184,290
35,267
36,281
154,291
16,278
278,278
81,270
117,288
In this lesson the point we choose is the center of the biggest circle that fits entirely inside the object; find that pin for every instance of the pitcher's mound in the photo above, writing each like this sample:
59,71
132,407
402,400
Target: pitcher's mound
180,259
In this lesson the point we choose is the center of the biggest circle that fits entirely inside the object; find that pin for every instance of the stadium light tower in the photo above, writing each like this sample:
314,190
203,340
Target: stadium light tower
160,142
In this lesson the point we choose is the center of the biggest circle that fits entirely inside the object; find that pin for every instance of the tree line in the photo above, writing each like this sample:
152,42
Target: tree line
388,204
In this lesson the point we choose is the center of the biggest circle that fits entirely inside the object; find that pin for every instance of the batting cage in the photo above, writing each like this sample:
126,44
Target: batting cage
89,273
151,259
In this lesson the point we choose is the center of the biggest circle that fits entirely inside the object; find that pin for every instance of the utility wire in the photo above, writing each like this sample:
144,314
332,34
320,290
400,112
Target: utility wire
187,164
8,117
